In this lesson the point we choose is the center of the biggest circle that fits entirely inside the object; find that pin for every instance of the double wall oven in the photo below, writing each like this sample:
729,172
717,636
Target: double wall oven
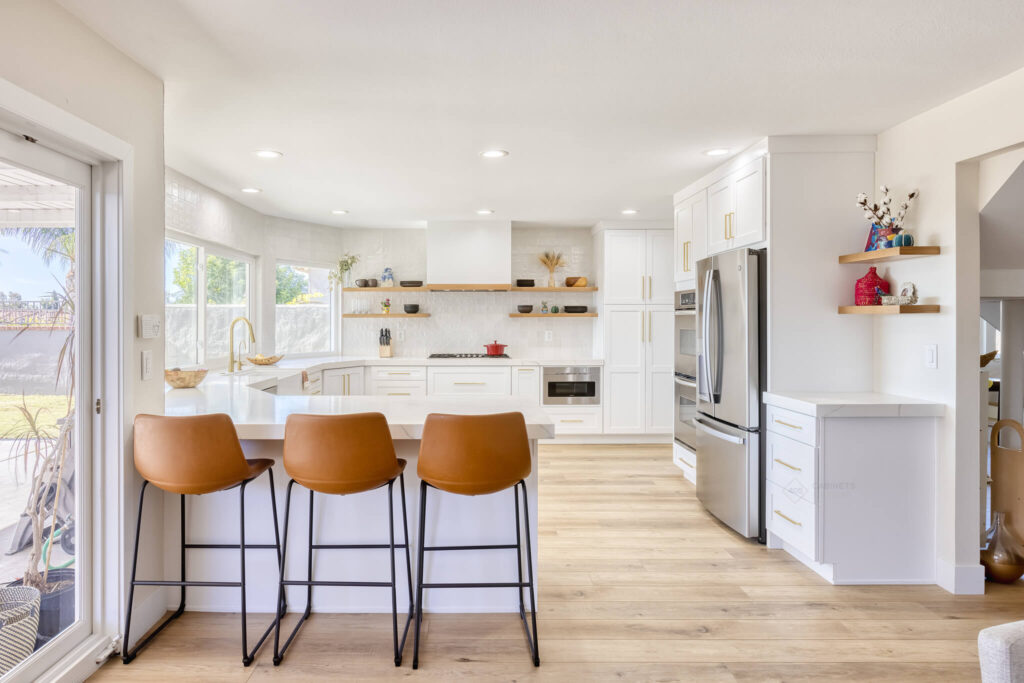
685,405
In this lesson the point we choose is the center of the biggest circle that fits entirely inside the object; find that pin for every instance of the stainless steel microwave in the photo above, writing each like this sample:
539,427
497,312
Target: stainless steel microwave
576,385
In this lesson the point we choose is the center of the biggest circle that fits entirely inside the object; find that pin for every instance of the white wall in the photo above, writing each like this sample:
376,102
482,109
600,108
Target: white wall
926,152
50,53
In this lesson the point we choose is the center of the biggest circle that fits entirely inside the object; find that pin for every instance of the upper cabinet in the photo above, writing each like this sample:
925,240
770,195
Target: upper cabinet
736,216
638,267
691,238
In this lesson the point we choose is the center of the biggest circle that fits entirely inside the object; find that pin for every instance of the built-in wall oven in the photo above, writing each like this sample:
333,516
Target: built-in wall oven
574,385
685,342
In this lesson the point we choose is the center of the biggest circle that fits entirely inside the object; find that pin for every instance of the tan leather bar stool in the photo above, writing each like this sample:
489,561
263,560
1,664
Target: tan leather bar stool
340,455
472,455
193,456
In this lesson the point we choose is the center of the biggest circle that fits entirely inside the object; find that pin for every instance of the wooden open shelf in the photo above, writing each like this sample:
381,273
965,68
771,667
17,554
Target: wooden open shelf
385,315
552,315
386,289
888,310
554,289
890,254
469,288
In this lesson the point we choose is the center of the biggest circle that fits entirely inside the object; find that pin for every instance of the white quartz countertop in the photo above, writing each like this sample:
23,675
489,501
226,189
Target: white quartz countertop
857,404
261,415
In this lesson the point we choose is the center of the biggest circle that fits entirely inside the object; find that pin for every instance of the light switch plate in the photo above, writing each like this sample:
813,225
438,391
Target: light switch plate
931,356
147,364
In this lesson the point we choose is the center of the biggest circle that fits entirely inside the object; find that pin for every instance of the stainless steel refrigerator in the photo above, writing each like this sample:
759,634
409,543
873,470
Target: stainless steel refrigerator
730,318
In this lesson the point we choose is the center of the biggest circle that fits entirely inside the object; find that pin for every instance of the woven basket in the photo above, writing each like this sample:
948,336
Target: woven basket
19,621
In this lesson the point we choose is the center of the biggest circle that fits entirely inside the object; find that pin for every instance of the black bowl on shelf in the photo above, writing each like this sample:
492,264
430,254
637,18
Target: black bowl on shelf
575,309
410,283
362,282
411,308
524,283
525,308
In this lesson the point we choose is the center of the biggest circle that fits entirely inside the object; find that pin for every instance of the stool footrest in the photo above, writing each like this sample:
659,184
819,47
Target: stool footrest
354,546
336,584
230,546
471,547
478,585
191,584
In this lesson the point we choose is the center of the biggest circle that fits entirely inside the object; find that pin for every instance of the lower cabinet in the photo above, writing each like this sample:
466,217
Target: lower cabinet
575,419
396,380
639,369
686,460
470,380
526,381
342,382
397,387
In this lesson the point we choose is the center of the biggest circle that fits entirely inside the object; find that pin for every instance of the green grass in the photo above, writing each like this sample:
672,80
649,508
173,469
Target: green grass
51,407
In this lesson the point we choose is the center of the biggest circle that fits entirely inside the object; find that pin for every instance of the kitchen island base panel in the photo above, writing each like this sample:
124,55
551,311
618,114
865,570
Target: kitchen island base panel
354,519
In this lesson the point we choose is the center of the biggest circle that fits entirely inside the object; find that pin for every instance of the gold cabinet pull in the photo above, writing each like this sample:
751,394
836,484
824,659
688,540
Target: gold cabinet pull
686,256
725,225
650,286
570,420
787,518
786,464
643,287
398,393
399,373
786,424
526,369
471,382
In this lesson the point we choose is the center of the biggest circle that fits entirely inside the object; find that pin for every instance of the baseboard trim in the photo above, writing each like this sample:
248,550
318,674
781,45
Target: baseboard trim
963,579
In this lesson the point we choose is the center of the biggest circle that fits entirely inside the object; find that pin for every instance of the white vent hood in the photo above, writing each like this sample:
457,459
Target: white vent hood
469,254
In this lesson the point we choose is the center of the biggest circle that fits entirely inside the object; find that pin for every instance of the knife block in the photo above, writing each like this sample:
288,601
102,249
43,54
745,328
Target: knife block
385,351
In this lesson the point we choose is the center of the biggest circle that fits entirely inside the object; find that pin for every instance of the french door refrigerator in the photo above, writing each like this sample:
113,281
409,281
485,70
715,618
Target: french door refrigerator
730,318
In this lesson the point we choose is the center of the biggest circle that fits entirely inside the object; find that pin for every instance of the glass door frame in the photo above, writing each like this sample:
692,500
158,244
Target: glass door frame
62,168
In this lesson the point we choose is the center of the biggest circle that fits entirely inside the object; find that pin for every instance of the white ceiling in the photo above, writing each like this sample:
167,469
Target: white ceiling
381,107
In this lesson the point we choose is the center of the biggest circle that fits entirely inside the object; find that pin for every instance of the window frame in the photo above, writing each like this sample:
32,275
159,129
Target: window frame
204,249
334,305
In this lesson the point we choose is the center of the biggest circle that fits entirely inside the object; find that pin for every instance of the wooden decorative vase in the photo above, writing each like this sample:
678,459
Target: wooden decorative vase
866,291
1003,557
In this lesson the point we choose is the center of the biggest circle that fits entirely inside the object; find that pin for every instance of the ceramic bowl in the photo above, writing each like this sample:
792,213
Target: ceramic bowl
411,308
575,309
576,281
372,282
524,283
184,379
525,309
362,282
410,283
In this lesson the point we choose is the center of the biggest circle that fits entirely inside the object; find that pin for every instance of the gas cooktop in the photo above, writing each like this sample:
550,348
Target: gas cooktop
465,355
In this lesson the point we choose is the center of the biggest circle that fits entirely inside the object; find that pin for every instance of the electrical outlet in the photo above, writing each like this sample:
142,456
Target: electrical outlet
147,364
400,335
548,336
931,356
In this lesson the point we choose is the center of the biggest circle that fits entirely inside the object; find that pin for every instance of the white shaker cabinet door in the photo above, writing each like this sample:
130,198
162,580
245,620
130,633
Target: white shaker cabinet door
691,237
625,270
333,383
683,233
748,204
719,214
355,382
660,362
526,382
660,279
625,358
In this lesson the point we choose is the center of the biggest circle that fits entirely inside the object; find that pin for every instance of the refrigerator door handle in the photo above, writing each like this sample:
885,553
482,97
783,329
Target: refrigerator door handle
716,388
711,431
705,337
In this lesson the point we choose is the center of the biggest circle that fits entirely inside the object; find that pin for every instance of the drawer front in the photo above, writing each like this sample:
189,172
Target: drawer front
399,388
469,381
792,519
576,421
791,464
378,372
794,425
685,460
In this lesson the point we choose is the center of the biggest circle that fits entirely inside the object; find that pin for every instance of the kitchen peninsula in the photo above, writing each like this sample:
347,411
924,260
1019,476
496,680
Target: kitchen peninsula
259,403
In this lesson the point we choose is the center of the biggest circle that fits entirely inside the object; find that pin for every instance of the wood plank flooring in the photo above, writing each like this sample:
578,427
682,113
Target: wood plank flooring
637,582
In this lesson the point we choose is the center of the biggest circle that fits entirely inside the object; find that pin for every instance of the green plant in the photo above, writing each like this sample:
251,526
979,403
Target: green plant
337,276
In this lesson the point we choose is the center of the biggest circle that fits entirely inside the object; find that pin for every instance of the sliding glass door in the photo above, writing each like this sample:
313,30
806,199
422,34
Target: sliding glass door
45,405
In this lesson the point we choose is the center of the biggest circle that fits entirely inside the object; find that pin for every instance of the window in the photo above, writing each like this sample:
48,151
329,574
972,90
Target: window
303,319
205,288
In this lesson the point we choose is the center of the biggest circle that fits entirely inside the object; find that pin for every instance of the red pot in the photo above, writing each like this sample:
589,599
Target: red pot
495,349
865,293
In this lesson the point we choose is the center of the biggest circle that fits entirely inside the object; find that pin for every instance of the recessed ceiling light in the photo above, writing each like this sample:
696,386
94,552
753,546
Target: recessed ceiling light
269,154
484,212
717,152
629,212
251,190
494,154
339,212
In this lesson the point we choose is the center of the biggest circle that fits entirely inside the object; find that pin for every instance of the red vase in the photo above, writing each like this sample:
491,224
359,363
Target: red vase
865,293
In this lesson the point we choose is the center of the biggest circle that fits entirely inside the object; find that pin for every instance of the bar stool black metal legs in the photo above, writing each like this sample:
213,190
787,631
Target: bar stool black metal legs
247,654
531,638
309,583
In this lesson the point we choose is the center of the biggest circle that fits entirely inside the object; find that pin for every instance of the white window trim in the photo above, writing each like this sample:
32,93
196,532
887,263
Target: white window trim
207,248
335,306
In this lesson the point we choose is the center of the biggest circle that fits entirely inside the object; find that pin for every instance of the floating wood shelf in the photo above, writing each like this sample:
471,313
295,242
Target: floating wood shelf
385,315
469,288
888,310
552,315
890,254
386,289
554,289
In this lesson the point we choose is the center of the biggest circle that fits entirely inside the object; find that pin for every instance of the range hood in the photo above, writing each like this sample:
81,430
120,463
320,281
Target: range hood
469,255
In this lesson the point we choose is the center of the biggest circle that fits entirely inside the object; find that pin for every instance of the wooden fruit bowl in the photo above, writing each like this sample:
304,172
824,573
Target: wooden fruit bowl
184,379
264,360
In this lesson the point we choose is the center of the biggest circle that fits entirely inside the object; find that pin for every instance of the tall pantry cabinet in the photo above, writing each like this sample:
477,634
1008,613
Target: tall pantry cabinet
635,304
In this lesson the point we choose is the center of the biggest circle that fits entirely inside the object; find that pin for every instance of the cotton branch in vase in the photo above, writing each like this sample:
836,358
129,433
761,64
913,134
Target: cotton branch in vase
552,260
886,226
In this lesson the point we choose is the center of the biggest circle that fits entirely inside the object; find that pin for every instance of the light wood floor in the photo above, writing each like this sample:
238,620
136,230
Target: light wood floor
637,582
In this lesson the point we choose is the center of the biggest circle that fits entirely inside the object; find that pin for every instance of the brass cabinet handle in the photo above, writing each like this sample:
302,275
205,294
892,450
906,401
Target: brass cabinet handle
786,424
786,464
686,256
725,225
398,393
526,369
470,382
650,286
643,331
399,373
788,519
570,420
643,287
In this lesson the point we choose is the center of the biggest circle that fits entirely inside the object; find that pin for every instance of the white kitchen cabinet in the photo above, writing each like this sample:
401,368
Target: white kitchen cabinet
398,387
736,208
469,380
624,361
575,419
690,237
342,382
686,460
526,381
659,361
660,280
625,266
396,380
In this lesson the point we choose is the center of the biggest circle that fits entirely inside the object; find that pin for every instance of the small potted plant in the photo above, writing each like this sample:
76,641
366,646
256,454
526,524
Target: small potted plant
385,306
342,274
